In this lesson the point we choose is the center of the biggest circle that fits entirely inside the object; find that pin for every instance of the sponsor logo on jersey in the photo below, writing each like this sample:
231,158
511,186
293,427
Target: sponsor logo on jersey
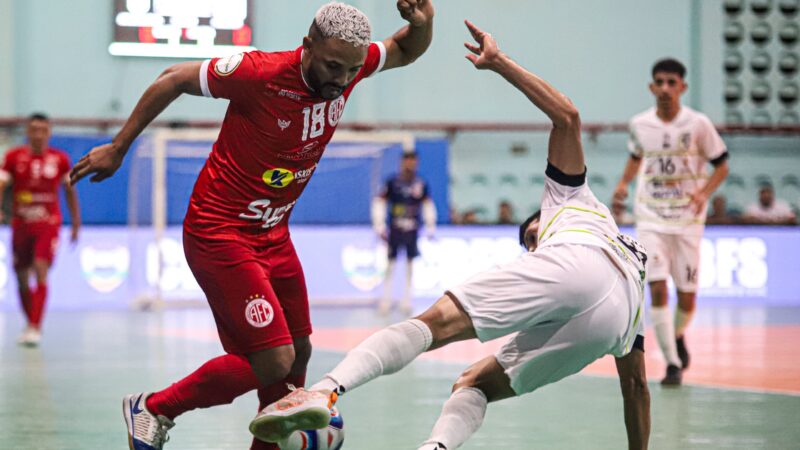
284,124
24,197
287,93
303,175
261,210
227,65
309,151
259,312
278,178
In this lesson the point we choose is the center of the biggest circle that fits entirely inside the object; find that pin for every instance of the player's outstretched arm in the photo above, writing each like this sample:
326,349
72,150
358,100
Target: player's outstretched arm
411,41
565,150
104,160
636,397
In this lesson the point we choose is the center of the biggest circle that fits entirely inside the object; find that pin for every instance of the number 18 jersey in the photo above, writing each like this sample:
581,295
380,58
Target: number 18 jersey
274,133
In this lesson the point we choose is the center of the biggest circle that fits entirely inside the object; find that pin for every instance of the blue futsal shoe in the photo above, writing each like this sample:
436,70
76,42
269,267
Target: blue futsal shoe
146,431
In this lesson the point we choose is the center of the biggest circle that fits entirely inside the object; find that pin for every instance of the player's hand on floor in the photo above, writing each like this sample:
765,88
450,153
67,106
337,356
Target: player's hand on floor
73,237
486,53
416,12
102,161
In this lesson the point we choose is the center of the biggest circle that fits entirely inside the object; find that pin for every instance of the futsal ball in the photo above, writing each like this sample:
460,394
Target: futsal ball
328,438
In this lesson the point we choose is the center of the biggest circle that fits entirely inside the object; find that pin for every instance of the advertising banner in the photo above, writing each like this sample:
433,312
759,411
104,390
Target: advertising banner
114,267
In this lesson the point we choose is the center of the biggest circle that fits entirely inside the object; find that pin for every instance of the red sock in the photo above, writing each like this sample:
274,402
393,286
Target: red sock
217,382
26,301
270,394
38,300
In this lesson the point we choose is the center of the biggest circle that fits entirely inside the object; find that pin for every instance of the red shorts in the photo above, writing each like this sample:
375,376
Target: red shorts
258,295
34,242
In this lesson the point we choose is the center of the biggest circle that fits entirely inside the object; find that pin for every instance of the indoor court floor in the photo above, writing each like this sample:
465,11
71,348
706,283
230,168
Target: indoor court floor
742,391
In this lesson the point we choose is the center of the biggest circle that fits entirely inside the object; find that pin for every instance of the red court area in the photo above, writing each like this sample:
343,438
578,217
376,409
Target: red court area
761,358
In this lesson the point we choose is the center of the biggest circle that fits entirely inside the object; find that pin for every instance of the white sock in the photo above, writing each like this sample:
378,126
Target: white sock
387,282
682,319
662,323
383,353
409,279
462,415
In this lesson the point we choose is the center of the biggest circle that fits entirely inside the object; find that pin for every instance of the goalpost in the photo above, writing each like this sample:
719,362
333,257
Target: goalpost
165,165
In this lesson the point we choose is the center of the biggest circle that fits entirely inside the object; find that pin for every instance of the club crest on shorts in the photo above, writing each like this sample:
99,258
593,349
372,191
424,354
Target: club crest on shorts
258,312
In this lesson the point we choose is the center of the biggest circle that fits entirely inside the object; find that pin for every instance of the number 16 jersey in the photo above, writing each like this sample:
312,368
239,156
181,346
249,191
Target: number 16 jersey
274,133
675,159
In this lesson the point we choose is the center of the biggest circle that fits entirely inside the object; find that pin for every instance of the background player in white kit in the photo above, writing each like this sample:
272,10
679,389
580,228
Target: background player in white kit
575,296
671,146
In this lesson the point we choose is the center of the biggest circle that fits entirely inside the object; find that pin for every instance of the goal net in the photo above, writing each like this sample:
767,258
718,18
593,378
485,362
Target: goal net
166,163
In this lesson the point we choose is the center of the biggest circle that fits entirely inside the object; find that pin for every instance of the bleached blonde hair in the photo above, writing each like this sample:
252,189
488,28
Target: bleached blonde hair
345,22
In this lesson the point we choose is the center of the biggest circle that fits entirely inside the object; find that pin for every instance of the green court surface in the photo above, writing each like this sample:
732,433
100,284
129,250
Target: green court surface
67,395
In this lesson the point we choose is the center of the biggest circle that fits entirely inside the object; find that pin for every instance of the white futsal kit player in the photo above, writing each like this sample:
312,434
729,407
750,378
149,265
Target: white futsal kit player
671,146
576,296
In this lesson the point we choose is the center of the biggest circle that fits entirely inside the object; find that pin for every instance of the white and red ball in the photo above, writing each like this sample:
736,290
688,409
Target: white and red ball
328,438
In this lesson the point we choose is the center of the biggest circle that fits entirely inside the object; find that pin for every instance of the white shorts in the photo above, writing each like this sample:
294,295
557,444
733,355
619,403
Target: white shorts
672,254
568,303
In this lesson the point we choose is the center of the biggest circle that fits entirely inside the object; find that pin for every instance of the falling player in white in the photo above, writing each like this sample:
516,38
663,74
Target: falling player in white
671,146
561,324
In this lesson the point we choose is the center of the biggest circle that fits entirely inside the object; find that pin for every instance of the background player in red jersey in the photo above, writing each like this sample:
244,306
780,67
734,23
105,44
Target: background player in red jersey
284,108
35,172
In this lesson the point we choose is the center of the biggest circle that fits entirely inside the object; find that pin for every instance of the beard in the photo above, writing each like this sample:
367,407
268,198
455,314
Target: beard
327,91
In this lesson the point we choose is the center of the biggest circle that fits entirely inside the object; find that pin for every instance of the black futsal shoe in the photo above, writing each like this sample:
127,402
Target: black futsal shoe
674,376
683,353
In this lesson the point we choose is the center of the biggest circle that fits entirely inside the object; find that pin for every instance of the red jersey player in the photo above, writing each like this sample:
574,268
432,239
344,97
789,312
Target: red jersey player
283,110
35,172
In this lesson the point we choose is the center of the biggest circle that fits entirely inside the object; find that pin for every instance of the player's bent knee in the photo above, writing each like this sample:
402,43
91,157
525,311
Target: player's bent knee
448,322
273,364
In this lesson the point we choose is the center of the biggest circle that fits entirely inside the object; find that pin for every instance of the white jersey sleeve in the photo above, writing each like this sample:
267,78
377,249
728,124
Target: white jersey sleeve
634,143
710,142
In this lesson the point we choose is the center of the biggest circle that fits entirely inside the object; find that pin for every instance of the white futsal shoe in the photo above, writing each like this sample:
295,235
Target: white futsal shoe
299,410
146,431
30,337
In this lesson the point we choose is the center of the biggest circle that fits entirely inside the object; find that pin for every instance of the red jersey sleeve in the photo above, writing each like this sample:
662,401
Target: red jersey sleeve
376,58
6,170
233,76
